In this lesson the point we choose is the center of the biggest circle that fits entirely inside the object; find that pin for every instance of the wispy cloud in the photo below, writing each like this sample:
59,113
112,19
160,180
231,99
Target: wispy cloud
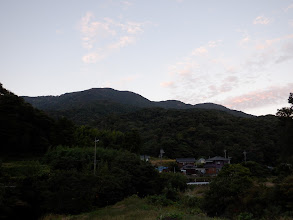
102,37
215,43
268,43
288,8
169,84
92,57
126,4
123,42
286,53
260,98
201,51
207,75
261,20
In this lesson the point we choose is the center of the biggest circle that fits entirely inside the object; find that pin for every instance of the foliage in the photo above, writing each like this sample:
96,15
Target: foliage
198,132
257,170
287,112
286,123
159,200
119,173
67,191
176,181
226,191
284,194
23,129
171,216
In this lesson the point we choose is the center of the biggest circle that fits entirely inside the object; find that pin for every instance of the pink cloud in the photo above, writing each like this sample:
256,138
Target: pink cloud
169,84
255,99
123,41
288,8
201,51
106,35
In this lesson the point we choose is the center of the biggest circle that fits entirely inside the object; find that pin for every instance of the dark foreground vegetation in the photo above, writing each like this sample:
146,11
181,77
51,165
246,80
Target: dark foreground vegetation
47,165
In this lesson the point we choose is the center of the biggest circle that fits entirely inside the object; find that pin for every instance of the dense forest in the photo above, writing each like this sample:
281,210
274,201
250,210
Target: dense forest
201,133
47,163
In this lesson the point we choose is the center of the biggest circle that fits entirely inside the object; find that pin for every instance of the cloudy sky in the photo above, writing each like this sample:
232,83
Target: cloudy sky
235,53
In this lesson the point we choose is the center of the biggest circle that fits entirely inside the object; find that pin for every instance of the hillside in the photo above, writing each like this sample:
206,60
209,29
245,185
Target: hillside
200,132
23,129
86,106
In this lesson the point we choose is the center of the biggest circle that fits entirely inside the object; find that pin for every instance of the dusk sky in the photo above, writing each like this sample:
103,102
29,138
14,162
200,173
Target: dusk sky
238,53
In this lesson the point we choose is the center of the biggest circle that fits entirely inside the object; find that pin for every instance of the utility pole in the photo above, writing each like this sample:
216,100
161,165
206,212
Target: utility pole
95,160
244,156
161,154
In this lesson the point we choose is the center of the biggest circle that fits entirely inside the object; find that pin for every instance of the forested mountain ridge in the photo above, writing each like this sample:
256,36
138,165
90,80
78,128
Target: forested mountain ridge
180,132
85,106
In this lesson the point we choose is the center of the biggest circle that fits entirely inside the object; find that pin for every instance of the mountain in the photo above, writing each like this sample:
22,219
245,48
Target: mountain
97,102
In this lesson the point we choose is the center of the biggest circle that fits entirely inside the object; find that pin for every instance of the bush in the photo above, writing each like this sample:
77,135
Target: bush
226,191
159,200
174,180
171,216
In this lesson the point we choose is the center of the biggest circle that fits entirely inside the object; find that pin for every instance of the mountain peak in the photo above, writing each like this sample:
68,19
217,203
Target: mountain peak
93,96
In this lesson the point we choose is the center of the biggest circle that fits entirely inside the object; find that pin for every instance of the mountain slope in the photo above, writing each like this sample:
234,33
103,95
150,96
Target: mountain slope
77,99
23,129
94,103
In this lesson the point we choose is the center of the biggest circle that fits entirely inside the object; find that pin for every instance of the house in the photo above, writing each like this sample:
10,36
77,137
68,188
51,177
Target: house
188,169
215,164
185,161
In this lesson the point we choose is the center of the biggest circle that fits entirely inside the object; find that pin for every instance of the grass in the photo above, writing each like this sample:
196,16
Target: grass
158,162
23,169
133,208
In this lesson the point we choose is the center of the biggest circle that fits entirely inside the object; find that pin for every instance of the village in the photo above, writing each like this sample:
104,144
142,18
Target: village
198,171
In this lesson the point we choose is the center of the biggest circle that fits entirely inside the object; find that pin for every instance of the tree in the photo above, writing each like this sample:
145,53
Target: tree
286,120
226,191
287,112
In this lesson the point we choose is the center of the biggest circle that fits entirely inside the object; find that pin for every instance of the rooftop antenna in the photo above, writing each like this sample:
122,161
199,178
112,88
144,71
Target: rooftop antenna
161,154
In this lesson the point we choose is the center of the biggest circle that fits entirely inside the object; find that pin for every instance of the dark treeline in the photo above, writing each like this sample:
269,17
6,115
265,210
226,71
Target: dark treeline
201,133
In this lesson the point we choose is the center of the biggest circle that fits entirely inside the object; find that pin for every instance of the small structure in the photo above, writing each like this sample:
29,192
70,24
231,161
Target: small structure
215,164
185,161
145,157
162,169
188,169
200,171
201,161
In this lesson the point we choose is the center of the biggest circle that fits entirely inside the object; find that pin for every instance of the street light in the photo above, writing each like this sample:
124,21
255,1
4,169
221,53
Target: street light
95,160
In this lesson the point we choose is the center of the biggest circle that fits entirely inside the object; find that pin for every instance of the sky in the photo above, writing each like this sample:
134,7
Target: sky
235,53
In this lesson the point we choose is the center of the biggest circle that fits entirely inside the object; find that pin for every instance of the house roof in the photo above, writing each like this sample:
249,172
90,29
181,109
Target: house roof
185,160
188,167
217,158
